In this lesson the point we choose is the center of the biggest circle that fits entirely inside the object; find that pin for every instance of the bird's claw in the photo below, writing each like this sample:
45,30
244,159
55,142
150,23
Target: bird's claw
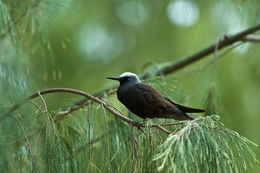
139,128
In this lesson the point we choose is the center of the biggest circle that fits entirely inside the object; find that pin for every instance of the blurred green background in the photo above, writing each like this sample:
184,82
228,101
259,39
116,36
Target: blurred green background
76,44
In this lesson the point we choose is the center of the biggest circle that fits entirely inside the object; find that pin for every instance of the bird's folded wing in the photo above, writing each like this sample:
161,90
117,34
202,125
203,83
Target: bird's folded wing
185,108
152,96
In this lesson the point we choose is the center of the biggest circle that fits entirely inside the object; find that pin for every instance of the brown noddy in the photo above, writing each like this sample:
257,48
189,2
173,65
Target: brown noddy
146,101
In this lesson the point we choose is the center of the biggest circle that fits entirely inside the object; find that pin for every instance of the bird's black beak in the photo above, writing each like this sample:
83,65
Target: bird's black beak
114,78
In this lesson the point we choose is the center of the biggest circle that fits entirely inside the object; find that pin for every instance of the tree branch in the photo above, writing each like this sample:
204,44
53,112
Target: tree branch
228,40
89,97
45,107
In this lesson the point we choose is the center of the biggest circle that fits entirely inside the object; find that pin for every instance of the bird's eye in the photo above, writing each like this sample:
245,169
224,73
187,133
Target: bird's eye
127,78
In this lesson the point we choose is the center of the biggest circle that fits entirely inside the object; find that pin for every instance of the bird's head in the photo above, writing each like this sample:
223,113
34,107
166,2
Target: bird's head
126,78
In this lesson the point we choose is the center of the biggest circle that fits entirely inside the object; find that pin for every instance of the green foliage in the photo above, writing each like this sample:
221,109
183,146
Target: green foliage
205,145
63,145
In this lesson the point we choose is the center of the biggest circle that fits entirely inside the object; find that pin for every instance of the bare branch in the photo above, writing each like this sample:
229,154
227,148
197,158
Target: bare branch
215,58
88,96
107,140
45,107
89,144
163,129
26,137
133,149
37,106
61,114
228,40
156,132
116,109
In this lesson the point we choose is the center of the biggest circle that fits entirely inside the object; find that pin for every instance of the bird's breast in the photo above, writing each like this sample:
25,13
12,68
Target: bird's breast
127,96
131,98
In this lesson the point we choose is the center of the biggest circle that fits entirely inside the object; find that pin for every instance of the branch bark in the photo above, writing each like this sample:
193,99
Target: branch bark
89,97
228,40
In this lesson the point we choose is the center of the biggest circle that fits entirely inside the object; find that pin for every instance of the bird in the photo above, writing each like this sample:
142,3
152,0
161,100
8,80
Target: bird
146,101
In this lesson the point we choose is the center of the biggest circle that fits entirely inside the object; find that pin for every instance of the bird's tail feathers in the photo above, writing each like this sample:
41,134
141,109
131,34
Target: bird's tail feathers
190,117
179,117
185,108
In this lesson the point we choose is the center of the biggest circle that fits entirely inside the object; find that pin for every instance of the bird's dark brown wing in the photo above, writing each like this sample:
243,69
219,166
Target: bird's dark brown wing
152,97
185,108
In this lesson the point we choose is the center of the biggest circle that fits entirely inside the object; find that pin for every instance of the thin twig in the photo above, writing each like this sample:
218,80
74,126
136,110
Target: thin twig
212,84
83,147
45,106
37,106
61,114
116,109
89,144
156,132
215,59
133,149
29,136
163,129
201,68
88,96
26,137
107,140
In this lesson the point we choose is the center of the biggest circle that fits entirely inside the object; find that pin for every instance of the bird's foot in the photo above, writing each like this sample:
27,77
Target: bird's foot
139,126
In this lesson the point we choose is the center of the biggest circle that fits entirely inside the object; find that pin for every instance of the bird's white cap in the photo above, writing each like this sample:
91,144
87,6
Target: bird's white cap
129,74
